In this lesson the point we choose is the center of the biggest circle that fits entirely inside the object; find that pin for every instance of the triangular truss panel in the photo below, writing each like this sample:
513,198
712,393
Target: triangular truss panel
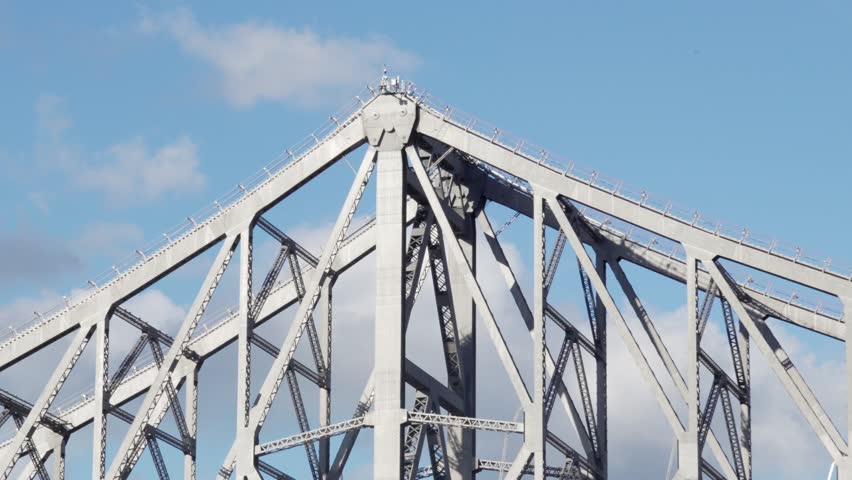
412,219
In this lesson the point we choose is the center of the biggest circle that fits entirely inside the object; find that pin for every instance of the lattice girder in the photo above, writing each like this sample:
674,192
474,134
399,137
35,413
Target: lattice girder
437,176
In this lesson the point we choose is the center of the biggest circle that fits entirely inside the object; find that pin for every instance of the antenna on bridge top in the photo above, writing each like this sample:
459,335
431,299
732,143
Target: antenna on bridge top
389,84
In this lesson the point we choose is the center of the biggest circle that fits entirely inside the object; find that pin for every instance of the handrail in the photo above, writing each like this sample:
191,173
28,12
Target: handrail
643,198
523,148
281,162
672,249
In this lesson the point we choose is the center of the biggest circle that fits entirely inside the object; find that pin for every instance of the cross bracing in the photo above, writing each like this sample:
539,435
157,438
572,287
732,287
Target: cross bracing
434,171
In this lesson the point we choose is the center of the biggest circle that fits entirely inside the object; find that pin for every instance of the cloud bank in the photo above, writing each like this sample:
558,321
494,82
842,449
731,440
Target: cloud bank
124,172
257,61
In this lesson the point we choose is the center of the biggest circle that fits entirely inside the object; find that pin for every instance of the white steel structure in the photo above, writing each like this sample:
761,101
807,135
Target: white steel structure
434,170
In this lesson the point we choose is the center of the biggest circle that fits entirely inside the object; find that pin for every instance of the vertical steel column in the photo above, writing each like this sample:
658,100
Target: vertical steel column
844,467
245,437
325,334
535,429
600,370
784,368
689,457
745,407
390,312
526,314
276,374
101,402
462,442
190,455
58,471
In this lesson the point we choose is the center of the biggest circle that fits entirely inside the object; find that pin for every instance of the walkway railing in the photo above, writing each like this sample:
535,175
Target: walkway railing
528,150
625,191
285,160
826,305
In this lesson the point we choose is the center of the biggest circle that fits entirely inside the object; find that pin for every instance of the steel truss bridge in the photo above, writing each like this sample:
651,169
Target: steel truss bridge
435,169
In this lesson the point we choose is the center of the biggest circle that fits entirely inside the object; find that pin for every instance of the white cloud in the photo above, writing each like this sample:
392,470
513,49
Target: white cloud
157,309
259,61
130,171
125,172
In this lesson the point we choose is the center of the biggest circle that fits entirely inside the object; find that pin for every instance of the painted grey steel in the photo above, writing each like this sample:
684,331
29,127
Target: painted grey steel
435,170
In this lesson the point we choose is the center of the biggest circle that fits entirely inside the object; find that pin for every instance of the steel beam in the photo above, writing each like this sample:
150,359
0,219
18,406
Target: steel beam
511,281
190,455
275,376
437,444
601,384
245,466
783,366
534,171
689,451
36,467
619,247
314,435
45,400
534,420
345,448
58,447
390,303
450,192
195,242
452,243
519,465
414,438
131,444
664,355
101,401
325,318
745,407
593,308
460,332
630,341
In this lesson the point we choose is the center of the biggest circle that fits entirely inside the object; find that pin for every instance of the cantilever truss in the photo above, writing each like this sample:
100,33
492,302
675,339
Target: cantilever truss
434,174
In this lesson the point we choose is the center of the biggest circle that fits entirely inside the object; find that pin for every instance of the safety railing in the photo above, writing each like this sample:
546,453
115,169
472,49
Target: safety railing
528,150
618,188
280,163
746,278
751,280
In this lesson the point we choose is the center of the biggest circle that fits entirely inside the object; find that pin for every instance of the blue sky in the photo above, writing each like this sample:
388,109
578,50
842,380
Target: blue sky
120,119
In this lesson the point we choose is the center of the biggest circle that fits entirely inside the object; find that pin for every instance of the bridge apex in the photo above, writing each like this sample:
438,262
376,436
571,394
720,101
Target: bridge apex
388,121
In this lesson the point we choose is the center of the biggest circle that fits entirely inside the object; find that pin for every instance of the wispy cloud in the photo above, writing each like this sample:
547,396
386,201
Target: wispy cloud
258,61
130,171
125,172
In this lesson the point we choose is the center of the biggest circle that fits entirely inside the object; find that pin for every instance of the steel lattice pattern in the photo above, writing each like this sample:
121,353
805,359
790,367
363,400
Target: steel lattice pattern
435,171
